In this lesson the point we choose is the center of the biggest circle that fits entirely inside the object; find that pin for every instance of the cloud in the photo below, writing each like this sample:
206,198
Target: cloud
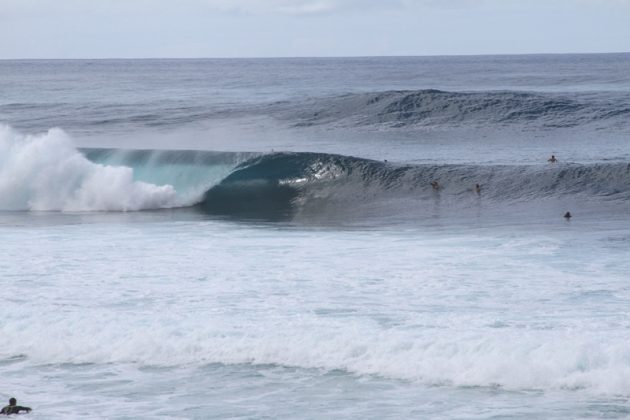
26,8
306,7
298,7
251,7
254,28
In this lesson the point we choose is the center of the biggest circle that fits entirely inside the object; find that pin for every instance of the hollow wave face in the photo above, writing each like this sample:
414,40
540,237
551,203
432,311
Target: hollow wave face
286,186
47,173
271,187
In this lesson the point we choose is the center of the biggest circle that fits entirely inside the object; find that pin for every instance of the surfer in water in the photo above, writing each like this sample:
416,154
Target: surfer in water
435,185
567,215
13,408
552,159
478,188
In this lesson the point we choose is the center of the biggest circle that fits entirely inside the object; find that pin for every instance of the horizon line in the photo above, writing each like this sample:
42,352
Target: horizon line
288,57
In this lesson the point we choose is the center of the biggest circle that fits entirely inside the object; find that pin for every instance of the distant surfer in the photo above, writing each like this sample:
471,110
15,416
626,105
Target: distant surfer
435,185
13,408
478,188
552,159
567,215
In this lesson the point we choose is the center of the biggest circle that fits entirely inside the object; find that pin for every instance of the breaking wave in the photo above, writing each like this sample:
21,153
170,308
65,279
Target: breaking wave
46,172
284,185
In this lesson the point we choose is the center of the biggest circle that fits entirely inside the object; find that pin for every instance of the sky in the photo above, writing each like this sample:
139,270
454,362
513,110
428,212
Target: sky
307,28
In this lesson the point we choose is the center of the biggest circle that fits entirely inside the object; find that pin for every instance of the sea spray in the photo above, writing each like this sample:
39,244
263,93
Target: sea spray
45,172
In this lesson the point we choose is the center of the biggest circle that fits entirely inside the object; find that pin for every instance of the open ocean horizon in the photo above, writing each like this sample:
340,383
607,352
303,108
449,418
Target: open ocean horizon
259,238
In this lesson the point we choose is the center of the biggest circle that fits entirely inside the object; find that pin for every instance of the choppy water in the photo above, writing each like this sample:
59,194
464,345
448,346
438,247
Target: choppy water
258,238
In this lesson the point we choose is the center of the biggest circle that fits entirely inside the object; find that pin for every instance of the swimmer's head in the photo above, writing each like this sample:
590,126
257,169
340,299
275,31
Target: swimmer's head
12,401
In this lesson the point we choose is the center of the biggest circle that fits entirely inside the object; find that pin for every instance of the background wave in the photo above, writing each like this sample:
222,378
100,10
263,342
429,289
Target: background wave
430,107
382,108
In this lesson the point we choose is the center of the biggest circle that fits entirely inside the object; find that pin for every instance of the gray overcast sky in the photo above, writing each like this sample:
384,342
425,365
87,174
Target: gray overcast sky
278,28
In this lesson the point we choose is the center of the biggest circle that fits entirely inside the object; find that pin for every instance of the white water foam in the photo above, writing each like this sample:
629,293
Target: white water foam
46,172
512,360
501,314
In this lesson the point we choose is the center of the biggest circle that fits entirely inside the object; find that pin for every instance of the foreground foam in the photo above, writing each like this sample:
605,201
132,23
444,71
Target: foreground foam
508,359
514,309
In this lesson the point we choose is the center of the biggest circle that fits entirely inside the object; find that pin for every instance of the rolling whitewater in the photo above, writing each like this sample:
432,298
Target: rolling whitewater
260,237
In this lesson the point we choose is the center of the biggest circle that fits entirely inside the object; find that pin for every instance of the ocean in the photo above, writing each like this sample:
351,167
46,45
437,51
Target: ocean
259,238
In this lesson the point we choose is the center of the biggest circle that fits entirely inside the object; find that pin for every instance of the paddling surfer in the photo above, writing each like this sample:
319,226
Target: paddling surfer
13,408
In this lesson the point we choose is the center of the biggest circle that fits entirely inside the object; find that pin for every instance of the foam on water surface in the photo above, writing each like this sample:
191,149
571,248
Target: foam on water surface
514,313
